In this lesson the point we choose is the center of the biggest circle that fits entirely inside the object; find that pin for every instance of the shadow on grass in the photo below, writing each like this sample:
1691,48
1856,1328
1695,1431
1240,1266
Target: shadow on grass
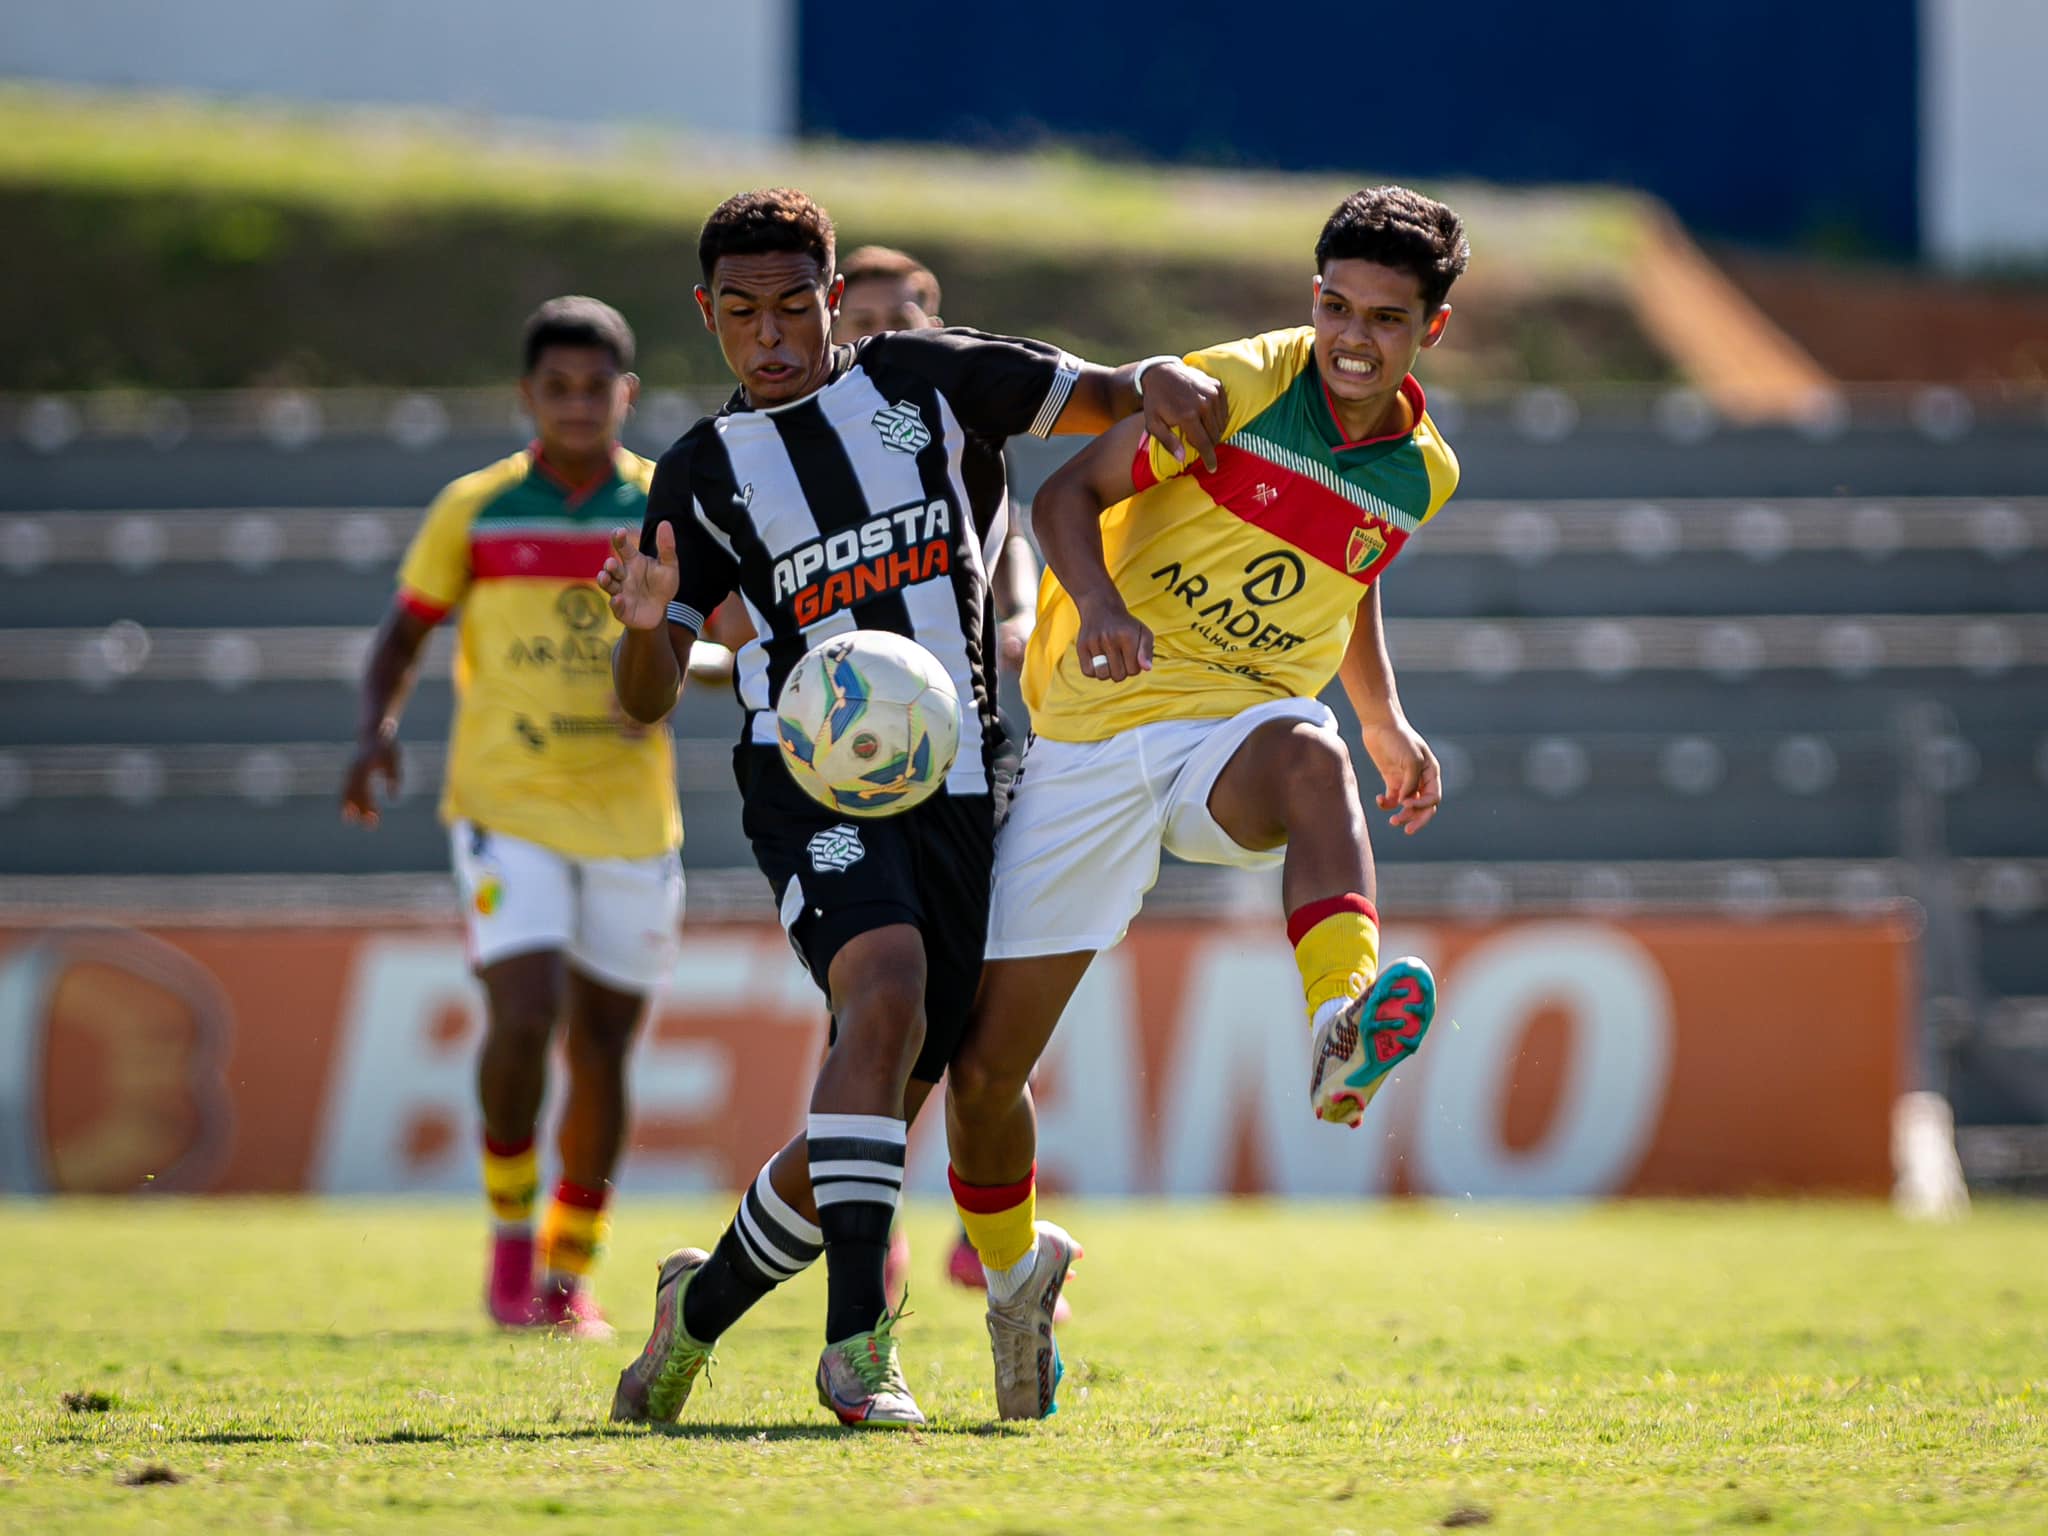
773,1433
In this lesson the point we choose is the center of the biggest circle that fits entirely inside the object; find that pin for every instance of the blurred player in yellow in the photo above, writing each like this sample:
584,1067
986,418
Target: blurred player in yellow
1189,618
890,290
561,811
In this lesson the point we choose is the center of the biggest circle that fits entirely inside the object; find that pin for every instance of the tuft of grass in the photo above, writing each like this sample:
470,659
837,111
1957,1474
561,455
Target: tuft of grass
1230,1367
86,1402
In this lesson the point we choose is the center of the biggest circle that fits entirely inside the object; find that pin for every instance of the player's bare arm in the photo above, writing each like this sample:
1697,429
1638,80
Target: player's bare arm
387,681
1182,407
1414,781
651,659
1066,514
1014,586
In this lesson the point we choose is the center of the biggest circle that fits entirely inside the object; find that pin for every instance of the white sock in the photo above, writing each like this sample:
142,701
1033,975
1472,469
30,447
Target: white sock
1006,1283
1330,1009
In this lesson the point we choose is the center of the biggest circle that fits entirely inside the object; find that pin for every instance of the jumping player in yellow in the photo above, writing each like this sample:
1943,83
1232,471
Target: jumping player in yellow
561,811
1187,621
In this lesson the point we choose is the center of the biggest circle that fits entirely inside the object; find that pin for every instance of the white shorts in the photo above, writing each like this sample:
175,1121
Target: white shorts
615,919
1080,847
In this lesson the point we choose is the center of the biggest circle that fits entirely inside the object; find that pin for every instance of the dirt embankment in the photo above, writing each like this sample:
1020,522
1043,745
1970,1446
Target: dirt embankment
1888,326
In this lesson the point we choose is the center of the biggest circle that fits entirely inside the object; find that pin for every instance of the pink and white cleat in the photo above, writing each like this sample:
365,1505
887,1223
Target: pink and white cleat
509,1295
572,1311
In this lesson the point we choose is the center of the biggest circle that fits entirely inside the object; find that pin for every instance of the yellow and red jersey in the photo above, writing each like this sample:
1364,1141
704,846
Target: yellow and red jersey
540,749
1249,577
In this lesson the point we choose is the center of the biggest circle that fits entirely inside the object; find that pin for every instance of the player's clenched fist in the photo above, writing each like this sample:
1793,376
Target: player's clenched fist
1184,405
641,586
1111,644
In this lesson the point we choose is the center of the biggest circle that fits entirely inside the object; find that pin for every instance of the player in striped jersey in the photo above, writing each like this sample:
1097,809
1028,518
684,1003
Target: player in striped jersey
562,812
1189,617
889,290
832,492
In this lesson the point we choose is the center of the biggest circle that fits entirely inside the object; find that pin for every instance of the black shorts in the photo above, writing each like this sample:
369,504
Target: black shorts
931,867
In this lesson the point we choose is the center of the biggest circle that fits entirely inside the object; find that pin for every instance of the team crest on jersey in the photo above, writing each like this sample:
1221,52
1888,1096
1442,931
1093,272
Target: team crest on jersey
1366,546
903,428
836,848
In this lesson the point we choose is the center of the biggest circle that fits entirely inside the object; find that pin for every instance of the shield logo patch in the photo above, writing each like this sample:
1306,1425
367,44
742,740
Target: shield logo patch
1366,546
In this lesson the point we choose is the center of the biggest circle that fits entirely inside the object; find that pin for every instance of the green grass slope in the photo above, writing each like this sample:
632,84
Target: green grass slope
324,1367
177,244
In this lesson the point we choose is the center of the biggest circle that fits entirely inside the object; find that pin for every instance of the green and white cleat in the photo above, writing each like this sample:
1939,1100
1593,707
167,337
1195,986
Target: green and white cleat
861,1381
1359,1044
1028,1368
653,1389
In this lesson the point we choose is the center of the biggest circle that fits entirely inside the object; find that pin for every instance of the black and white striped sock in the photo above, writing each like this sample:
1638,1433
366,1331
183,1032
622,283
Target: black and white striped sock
857,1179
767,1243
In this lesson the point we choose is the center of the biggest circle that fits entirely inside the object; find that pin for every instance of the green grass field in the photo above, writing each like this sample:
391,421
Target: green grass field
303,1366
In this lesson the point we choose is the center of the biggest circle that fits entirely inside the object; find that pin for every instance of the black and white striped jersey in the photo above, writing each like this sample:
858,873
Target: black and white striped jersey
868,504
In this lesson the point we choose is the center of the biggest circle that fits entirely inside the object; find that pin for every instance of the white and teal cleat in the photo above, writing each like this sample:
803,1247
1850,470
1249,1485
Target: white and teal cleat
1020,1332
1356,1046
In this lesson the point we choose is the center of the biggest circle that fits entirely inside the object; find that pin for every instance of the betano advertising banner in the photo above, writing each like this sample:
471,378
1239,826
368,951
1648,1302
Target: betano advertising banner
1570,1059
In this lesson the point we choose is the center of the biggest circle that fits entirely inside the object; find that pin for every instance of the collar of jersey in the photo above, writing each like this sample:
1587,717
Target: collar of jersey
573,495
842,361
1332,431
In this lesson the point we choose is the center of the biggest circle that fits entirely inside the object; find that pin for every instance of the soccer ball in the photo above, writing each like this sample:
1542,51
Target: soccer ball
869,723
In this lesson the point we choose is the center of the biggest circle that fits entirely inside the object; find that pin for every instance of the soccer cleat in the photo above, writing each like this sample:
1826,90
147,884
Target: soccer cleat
572,1311
653,1389
508,1292
1020,1332
861,1380
1358,1045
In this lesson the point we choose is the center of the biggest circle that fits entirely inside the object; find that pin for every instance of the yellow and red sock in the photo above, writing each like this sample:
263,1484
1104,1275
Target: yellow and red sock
1000,1218
574,1231
1337,945
511,1180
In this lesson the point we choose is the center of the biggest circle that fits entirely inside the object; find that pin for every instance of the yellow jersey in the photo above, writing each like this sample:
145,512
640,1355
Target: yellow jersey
540,749
1249,578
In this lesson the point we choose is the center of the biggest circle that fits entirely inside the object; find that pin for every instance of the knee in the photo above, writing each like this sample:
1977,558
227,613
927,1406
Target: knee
878,993
978,1083
1316,779
524,1023
604,1034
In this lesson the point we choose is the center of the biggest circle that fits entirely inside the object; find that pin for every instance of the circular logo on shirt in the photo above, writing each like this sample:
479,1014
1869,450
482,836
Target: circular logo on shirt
581,607
1273,577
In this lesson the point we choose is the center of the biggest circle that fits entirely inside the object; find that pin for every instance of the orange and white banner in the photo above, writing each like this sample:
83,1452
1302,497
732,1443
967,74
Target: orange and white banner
1570,1058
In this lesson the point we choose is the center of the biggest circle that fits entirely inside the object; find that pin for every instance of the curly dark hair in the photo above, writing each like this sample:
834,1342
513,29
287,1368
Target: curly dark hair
1402,229
575,320
773,219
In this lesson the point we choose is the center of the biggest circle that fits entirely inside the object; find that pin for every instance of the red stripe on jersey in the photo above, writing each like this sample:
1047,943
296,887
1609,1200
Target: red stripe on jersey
578,557
1142,478
422,607
1308,515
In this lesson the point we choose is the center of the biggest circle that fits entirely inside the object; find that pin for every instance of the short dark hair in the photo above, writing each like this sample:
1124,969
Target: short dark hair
773,219
872,261
575,320
1402,229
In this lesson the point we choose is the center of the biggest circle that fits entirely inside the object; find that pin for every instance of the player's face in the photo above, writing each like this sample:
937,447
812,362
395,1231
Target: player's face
1371,323
579,400
772,315
872,305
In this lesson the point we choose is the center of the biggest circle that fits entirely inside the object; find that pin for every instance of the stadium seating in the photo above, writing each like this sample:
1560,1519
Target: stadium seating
1687,698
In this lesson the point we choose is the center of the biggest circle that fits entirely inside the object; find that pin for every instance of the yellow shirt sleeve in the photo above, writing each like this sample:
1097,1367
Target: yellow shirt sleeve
435,573
1254,373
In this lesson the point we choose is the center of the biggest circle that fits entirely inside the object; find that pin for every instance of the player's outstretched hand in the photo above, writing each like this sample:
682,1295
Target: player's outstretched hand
375,762
1183,405
641,586
1111,644
1414,780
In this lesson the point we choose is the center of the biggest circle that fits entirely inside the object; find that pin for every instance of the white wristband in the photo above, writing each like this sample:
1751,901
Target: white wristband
1138,373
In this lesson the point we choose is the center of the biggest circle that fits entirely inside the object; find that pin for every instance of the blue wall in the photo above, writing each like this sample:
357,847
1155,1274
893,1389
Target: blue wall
1770,120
